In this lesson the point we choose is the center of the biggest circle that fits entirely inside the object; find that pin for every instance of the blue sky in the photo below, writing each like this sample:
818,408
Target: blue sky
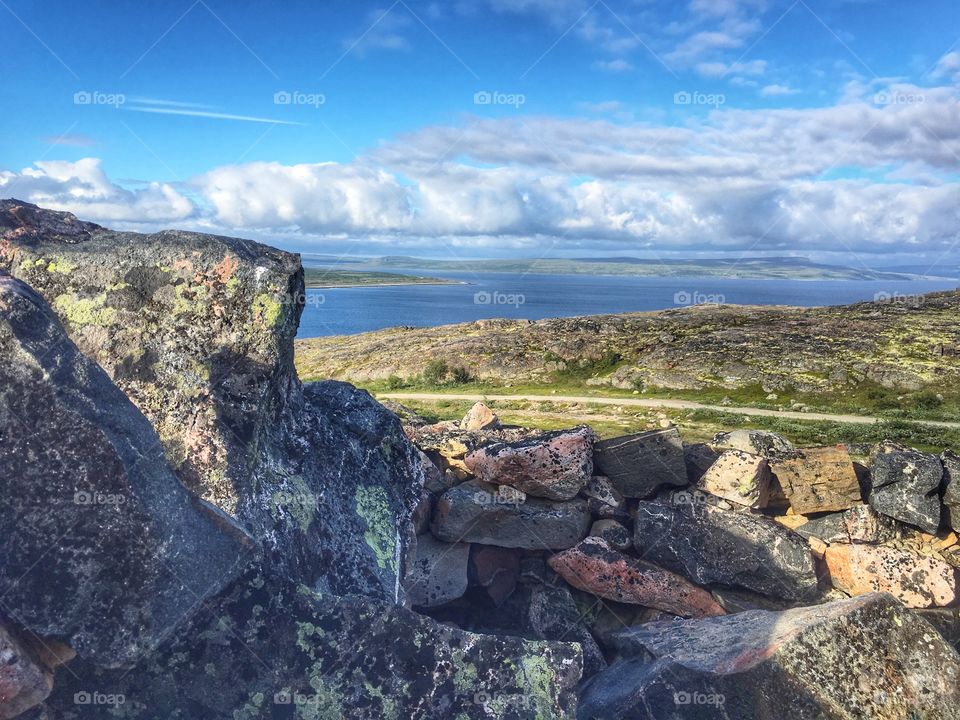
496,127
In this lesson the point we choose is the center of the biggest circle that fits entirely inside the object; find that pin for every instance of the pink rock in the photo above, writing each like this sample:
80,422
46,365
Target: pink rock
24,680
554,465
915,580
592,566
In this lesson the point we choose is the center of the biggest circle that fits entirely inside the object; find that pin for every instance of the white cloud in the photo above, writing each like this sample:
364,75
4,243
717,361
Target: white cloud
615,66
777,90
948,66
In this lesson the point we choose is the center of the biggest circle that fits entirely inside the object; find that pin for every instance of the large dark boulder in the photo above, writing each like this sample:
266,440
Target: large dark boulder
867,657
905,485
710,545
198,331
102,546
268,649
951,487
639,464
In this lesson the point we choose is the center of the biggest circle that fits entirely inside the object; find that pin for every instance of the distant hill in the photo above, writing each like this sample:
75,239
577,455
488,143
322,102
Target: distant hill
785,268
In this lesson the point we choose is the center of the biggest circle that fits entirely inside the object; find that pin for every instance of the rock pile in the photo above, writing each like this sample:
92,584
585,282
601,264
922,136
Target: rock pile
191,532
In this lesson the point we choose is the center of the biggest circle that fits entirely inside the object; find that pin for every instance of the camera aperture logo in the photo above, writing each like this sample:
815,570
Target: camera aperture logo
90,497
687,297
97,97
498,298
86,697
505,495
514,100
503,700
297,97
696,97
698,698
898,298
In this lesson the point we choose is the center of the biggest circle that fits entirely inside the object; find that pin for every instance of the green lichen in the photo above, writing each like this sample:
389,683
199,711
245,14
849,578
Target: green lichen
373,506
268,309
190,300
324,704
295,500
60,266
388,706
85,311
464,673
251,709
540,680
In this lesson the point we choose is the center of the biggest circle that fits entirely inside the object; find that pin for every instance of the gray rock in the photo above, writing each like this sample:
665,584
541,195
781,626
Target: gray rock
268,649
639,464
494,569
759,442
616,535
553,615
102,547
711,545
477,512
867,657
438,573
905,485
198,331
698,458
951,487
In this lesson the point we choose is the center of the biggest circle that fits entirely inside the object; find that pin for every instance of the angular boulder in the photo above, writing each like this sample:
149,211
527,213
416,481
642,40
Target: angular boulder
759,442
102,546
710,545
817,480
554,465
198,331
639,464
859,524
269,649
740,477
594,567
615,534
866,657
25,681
905,485
477,512
553,615
480,417
915,580
438,573
951,487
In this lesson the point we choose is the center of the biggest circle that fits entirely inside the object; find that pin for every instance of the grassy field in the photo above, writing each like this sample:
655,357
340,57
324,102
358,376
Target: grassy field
329,278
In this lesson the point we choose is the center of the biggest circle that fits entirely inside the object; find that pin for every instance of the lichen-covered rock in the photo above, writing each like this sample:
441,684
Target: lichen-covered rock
915,580
951,487
267,649
698,458
616,535
905,485
552,614
438,573
554,465
477,512
710,545
639,464
759,442
102,546
740,477
198,331
818,480
25,680
480,417
594,567
867,657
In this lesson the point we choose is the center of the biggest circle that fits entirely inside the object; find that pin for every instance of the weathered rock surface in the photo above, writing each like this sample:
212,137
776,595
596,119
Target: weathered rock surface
698,458
916,581
615,534
480,417
740,477
25,681
554,465
951,487
478,512
198,331
100,539
905,485
639,464
818,480
267,649
859,524
438,573
867,657
553,615
594,567
494,569
759,442
709,545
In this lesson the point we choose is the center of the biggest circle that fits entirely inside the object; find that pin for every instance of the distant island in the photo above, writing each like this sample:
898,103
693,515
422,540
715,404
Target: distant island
748,268
329,278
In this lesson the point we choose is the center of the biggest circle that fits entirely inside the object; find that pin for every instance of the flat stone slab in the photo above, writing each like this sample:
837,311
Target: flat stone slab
740,477
639,464
905,485
481,513
438,573
866,657
818,480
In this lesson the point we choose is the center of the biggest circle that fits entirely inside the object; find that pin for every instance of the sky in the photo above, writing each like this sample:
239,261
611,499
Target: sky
494,128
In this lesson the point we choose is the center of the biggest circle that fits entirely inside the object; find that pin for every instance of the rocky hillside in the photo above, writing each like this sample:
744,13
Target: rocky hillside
190,531
903,344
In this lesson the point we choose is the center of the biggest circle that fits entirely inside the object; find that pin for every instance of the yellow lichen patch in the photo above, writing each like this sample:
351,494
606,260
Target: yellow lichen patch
268,309
381,535
61,266
85,311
